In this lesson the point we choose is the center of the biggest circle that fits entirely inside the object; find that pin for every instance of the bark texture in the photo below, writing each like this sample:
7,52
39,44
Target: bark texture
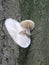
38,52
9,51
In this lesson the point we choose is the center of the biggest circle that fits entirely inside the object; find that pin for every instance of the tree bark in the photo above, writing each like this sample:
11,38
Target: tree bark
9,51
38,52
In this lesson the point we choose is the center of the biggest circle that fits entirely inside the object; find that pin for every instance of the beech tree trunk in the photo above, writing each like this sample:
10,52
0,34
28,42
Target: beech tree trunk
9,51
38,52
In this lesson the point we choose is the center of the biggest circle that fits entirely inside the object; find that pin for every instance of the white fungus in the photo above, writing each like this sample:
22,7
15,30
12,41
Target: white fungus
20,31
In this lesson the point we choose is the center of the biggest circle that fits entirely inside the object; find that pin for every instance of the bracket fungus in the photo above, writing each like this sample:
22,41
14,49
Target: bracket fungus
20,32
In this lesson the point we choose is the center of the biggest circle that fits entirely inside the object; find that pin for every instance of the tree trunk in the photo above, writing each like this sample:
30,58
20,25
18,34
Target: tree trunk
38,52
9,51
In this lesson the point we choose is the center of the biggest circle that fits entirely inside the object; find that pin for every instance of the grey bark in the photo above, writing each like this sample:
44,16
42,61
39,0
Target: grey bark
9,51
38,52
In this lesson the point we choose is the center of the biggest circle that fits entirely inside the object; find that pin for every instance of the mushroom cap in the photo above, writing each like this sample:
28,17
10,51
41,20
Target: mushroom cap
13,27
29,24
